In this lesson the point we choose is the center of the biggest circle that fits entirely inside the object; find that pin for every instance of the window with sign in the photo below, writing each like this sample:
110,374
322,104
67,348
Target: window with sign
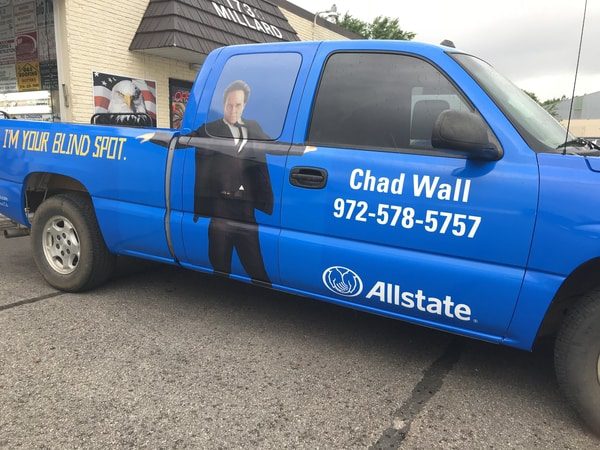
179,93
28,61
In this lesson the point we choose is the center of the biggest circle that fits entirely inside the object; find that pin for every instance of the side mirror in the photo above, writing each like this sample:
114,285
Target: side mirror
466,133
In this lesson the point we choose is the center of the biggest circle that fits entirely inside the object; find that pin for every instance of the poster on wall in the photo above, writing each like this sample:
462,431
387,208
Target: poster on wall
7,30
46,45
26,47
28,76
118,94
8,78
179,92
7,51
45,31
25,17
49,74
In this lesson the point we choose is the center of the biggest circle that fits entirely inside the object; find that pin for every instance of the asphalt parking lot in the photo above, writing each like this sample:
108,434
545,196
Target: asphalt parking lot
163,357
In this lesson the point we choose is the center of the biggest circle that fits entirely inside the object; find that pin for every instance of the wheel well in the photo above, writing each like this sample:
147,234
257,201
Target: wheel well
585,278
40,186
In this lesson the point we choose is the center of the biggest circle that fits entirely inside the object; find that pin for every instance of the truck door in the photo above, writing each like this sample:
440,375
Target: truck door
396,226
231,188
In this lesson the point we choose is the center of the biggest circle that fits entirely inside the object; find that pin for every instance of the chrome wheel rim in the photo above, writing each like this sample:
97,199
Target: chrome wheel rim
61,245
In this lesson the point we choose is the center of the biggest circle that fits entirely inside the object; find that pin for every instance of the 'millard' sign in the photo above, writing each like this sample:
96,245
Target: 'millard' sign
245,15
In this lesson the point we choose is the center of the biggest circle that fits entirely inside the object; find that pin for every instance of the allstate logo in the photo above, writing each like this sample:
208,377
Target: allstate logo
342,281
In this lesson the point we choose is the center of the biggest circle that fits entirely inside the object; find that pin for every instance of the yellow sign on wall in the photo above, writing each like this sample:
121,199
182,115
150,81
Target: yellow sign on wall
28,76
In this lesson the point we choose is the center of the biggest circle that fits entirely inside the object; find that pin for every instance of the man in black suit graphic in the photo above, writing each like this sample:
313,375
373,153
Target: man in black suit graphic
232,181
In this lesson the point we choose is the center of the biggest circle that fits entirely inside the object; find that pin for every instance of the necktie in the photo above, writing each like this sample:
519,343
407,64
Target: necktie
240,128
241,140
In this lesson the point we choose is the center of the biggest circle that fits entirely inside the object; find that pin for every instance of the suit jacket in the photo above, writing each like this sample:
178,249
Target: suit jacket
232,181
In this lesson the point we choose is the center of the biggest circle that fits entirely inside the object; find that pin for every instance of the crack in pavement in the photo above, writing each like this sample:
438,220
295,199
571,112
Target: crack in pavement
430,384
31,300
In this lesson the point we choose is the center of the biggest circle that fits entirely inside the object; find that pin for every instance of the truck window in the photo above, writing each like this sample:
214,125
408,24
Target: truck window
255,90
380,101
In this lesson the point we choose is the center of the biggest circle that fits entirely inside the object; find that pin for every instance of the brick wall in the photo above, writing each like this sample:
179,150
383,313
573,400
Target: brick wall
98,35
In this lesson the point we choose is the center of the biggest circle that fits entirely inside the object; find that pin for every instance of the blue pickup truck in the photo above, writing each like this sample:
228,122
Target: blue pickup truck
397,178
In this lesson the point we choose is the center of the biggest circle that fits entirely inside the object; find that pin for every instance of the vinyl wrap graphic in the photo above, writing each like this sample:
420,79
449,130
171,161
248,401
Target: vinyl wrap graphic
234,192
342,281
234,186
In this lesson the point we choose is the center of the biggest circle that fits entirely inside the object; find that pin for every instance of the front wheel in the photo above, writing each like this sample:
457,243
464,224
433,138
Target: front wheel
577,358
67,245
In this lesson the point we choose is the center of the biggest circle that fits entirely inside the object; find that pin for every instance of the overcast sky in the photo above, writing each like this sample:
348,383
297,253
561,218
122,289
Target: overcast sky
532,42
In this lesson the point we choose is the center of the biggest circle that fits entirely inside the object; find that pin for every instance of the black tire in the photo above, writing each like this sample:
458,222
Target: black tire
94,264
576,358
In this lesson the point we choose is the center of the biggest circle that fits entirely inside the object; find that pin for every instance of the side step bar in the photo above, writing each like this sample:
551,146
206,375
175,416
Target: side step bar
12,229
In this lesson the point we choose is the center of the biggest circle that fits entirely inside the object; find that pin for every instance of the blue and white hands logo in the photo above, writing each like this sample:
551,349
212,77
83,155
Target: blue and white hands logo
342,281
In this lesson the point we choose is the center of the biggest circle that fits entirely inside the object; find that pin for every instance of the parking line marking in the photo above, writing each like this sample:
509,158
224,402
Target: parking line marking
430,384
31,300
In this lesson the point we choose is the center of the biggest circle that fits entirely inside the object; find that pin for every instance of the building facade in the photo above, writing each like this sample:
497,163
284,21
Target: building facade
585,116
66,60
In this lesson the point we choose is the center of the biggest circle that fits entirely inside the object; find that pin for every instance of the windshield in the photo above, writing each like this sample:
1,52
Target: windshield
539,129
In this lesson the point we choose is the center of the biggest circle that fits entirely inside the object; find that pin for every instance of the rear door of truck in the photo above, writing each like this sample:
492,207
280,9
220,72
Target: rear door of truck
231,187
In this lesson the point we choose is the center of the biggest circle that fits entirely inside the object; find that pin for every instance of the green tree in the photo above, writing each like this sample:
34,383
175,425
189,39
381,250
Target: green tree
533,96
381,28
355,25
388,28
551,105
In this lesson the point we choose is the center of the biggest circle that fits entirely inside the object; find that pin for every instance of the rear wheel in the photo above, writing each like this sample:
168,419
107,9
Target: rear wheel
577,358
68,247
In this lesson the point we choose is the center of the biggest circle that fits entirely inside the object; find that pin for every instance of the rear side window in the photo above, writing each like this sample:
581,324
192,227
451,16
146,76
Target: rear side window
380,101
254,90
